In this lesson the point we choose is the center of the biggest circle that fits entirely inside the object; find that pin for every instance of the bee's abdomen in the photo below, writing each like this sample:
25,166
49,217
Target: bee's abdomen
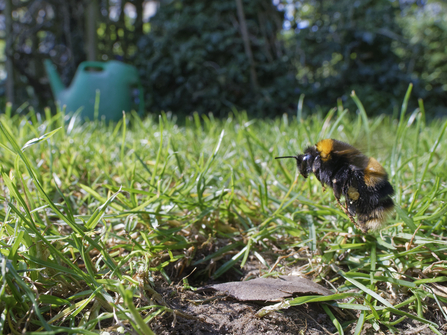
374,209
374,173
376,217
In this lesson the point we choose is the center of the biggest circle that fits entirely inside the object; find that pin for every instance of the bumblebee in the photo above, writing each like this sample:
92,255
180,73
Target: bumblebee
360,179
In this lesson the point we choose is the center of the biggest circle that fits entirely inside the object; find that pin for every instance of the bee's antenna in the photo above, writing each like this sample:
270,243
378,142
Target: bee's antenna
286,157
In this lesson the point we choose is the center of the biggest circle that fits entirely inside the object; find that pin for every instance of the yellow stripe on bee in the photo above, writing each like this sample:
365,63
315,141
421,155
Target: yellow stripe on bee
324,147
374,173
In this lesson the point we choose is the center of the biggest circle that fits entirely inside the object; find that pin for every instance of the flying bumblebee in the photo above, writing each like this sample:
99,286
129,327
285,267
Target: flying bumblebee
360,179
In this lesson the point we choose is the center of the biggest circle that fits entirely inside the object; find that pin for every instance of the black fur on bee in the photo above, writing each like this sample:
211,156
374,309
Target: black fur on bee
360,179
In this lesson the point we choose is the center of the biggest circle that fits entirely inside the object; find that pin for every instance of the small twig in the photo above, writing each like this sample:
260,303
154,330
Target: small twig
187,316
205,301
412,238
280,258
439,236
431,252
326,235
429,269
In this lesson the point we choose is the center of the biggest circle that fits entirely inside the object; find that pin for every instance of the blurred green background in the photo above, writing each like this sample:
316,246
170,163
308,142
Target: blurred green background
218,55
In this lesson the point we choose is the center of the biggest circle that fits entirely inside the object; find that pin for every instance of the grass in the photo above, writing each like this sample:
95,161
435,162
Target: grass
94,215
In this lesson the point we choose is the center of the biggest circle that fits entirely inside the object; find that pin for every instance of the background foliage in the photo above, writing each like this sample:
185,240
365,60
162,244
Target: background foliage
425,50
375,47
350,49
192,57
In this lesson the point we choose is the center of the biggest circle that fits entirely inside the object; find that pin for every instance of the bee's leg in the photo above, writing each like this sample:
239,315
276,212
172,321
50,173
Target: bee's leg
359,225
319,179
344,209
363,228
323,186
350,192
347,206
337,193
317,175
316,169
337,188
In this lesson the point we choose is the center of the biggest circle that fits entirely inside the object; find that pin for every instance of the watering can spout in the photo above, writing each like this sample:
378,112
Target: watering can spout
55,80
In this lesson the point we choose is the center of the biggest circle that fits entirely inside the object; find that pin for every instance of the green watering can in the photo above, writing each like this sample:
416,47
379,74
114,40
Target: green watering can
118,84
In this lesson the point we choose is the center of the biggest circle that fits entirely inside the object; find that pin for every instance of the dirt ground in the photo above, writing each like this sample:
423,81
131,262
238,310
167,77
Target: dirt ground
208,312
216,314
205,312
224,315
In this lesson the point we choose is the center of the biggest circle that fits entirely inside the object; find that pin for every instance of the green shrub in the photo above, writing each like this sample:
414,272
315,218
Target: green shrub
346,46
375,47
193,59
425,50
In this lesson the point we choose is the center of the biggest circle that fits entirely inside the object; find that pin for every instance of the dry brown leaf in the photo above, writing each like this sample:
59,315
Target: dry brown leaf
270,289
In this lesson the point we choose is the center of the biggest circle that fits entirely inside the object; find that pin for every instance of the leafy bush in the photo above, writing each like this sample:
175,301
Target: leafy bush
193,59
346,46
425,29
375,47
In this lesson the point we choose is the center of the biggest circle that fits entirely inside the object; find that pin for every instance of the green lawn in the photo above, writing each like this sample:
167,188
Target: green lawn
92,214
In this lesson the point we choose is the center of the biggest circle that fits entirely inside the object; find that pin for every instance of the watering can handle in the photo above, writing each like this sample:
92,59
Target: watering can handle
84,65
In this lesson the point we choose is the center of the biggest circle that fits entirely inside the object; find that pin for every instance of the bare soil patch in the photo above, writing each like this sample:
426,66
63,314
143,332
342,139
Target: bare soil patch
224,315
